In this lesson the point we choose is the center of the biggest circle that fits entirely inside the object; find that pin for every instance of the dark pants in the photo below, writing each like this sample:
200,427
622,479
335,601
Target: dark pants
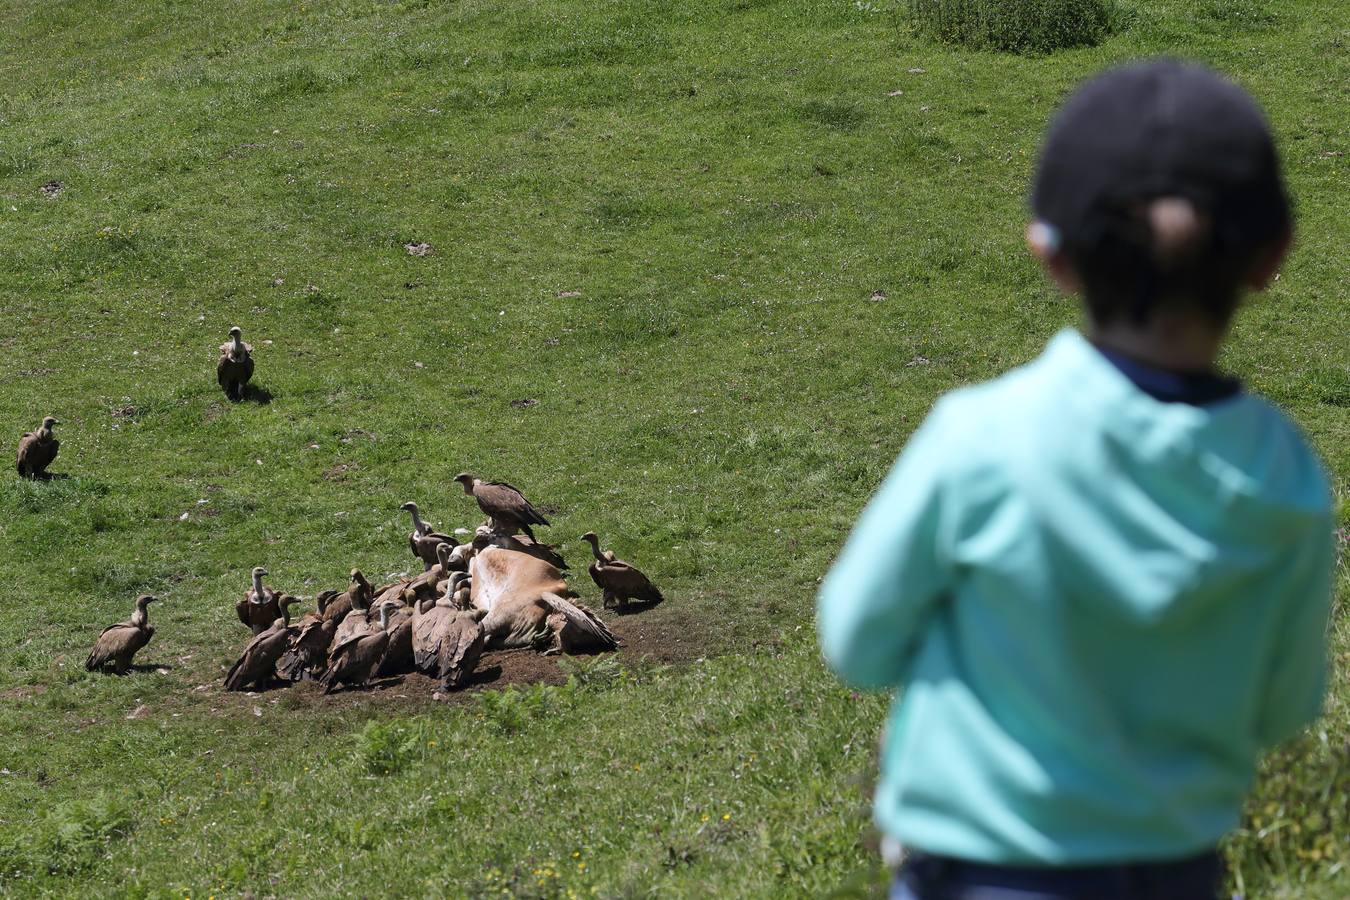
925,877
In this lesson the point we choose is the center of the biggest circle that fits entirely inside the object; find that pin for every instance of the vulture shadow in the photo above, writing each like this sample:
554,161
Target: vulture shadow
633,607
483,676
47,476
256,394
148,667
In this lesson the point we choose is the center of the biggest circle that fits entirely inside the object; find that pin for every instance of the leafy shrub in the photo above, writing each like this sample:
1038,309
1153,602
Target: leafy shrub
1016,26
387,748
511,710
78,832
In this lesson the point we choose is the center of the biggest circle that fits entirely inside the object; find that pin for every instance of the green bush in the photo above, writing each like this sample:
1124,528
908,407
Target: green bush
1016,26
387,748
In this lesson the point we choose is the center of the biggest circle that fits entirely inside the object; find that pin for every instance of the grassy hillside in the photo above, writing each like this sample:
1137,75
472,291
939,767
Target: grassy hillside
731,251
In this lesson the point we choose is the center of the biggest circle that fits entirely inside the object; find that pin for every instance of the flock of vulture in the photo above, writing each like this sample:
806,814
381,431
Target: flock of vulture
502,589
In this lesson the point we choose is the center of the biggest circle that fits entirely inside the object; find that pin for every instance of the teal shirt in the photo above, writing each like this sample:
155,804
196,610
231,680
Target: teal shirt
1102,608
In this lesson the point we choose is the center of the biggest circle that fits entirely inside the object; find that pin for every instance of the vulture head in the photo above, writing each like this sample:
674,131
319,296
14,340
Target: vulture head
144,600
48,422
259,571
443,554
236,332
467,480
592,538
482,537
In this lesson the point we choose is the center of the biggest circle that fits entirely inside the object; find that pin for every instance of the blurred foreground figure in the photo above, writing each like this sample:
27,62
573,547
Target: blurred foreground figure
1103,579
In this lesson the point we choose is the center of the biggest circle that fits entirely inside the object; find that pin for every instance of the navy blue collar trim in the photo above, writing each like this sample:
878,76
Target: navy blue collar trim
1193,388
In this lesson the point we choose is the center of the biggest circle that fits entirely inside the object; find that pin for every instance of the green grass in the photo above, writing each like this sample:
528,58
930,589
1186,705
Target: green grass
666,223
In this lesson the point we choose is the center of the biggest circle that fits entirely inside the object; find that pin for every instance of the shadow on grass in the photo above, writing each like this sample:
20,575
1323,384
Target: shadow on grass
256,394
632,608
148,667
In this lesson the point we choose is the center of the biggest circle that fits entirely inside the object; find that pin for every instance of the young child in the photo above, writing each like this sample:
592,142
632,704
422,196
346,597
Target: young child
1102,579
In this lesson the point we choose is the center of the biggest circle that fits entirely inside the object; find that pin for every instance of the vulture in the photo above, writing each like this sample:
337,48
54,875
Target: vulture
424,586
398,654
308,650
352,661
505,505
620,581
119,643
235,366
259,609
338,607
486,537
447,639
37,449
257,665
463,595
423,541
356,621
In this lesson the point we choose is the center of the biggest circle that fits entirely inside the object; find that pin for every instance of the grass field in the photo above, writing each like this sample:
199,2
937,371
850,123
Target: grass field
733,250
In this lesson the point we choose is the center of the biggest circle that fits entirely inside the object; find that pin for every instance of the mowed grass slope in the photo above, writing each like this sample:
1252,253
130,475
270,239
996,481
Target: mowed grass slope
732,266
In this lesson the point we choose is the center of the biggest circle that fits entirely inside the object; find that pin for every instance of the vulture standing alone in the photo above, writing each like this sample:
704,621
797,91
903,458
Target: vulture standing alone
257,665
504,504
447,639
37,449
235,366
620,581
423,541
259,609
119,643
352,661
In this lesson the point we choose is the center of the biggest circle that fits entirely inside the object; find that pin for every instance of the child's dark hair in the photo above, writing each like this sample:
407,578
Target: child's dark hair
1160,184
1166,253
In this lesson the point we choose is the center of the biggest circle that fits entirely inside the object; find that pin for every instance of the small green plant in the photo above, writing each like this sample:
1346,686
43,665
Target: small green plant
387,748
78,832
511,710
1016,26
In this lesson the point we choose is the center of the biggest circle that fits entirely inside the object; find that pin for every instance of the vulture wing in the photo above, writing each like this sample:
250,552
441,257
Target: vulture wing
509,502
118,642
426,637
583,631
461,646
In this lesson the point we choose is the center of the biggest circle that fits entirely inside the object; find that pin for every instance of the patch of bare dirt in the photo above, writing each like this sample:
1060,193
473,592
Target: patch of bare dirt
341,471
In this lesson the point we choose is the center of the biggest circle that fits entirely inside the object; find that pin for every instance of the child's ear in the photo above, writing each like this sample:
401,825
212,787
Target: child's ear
1268,261
1053,260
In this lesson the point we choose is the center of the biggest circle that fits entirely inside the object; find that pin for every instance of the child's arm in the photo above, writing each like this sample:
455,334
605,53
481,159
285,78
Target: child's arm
1297,677
891,572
